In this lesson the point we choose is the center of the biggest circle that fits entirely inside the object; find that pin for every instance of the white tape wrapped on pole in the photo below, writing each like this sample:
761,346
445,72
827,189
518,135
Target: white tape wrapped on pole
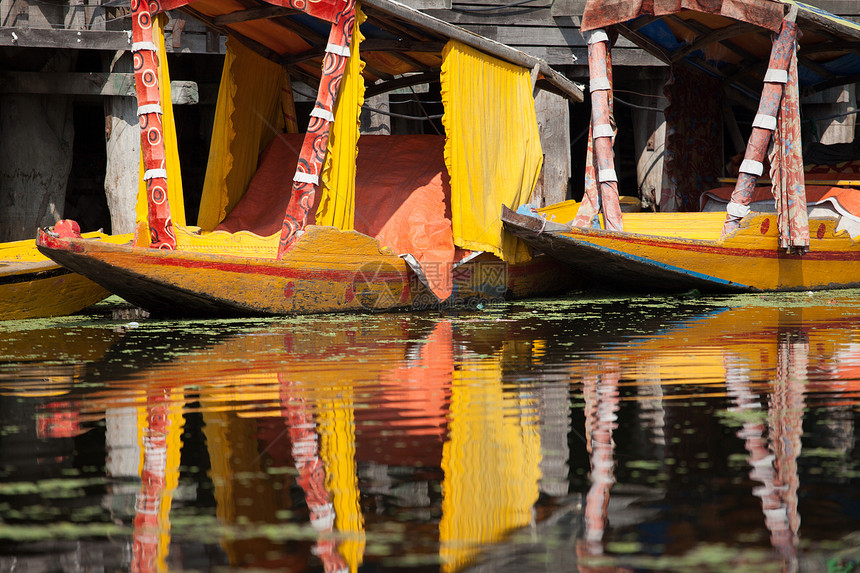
338,50
737,210
149,108
302,177
322,113
607,175
775,76
600,84
751,167
154,174
593,36
767,122
603,130
143,46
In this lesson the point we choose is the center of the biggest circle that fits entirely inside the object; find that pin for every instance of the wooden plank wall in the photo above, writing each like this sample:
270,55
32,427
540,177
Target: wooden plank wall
549,29
93,25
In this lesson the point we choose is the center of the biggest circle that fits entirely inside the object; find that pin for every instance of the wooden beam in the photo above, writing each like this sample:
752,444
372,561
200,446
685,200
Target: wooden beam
371,45
263,13
700,28
833,83
388,24
823,24
415,36
253,45
815,67
837,46
716,36
56,38
87,84
645,43
501,51
309,35
402,82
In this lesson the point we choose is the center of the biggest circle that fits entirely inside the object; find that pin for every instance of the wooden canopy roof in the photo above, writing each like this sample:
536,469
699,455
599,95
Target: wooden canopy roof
699,33
402,46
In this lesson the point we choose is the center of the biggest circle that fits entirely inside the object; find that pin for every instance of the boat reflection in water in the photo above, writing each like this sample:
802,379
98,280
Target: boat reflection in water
496,440
759,360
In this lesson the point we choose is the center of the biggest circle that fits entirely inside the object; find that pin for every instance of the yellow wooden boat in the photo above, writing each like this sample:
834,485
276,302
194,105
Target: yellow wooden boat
326,220
682,251
34,286
721,55
328,271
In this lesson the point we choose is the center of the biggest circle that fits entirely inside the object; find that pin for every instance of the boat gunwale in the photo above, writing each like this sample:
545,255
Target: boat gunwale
719,246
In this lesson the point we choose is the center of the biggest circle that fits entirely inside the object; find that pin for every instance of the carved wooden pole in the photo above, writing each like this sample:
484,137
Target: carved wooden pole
309,168
763,125
601,181
151,132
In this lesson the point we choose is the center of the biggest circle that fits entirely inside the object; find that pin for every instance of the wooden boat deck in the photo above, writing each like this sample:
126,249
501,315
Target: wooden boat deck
694,226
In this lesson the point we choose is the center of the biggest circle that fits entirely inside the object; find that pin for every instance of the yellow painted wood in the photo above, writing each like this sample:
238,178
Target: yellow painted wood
703,226
55,296
37,296
749,257
328,270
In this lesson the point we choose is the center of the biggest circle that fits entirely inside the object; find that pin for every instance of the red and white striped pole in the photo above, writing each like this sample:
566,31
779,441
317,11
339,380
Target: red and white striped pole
149,112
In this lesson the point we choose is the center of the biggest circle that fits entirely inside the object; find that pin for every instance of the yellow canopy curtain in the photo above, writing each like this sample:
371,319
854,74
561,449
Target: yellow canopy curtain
247,116
491,461
171,147
492,147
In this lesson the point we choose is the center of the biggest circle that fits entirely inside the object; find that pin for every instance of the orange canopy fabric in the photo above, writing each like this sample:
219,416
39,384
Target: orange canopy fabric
402,198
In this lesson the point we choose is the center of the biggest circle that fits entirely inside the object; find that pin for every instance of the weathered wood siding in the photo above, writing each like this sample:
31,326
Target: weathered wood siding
92,25
549,29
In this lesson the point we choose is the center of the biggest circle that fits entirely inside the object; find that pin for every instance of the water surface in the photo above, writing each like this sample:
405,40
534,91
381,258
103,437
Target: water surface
581,434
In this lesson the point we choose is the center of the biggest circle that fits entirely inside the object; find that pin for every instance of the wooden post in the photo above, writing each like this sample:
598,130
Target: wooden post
553,116
35,156
122,144
601,180
95,15
376,123
834,102
75,15
649,142
22,19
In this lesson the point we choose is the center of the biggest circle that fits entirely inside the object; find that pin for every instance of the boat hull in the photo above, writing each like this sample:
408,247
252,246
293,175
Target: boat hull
33,286
327,271
39,290
750,260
